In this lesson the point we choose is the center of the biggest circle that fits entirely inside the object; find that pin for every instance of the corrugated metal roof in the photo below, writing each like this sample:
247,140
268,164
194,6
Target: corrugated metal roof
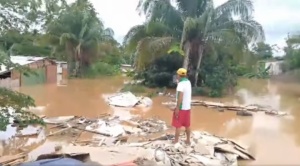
59,62
21,60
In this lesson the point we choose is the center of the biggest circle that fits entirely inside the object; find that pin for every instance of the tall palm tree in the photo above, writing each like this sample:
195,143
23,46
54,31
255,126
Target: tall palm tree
78,30
149,41
202,25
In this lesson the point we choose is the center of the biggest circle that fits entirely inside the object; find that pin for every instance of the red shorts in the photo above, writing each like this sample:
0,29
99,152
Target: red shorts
183,120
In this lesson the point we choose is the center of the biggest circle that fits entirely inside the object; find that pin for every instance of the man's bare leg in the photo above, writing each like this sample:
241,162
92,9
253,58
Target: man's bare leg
177,133
188,135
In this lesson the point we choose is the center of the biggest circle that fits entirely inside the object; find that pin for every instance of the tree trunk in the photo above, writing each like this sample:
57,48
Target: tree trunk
187,49
200,55
71,58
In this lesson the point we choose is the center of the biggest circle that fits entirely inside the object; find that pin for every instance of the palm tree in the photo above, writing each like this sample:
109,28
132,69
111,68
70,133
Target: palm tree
202,25
80,31
149,41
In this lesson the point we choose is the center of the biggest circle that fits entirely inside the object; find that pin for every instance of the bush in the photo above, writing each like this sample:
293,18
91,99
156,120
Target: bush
218,74
241,70
161,71
102,69
200,91
113,59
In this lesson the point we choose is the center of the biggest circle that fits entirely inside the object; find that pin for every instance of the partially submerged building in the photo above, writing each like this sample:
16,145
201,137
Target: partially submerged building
62,72
46,72
275,66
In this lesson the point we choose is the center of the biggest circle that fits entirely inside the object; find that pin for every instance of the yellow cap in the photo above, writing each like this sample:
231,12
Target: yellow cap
182,72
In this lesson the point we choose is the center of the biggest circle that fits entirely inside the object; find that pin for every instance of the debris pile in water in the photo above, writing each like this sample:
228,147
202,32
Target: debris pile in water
127,99
111,132
206,149
243,110
115,134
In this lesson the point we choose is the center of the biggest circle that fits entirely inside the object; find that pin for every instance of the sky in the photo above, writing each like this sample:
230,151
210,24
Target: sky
278,17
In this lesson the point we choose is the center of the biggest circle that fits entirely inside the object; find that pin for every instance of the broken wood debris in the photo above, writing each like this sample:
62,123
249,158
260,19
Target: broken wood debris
12,159
206,149
242,110
111,130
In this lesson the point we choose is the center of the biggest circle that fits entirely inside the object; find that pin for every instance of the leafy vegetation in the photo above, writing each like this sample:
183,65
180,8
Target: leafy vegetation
263,51
81,34
16,18
292,51
161,71
200,31
261,72
12,103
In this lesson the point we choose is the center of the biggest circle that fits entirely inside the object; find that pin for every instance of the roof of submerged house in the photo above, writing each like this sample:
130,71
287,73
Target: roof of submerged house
20,60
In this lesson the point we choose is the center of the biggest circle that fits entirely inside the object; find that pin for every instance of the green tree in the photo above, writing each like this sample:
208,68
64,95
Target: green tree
149,41
25,43
12,103
79,31
17,16
292,52
197,24
263,51
20,15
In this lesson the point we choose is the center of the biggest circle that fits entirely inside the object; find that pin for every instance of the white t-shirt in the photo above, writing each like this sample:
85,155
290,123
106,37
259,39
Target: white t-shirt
185,86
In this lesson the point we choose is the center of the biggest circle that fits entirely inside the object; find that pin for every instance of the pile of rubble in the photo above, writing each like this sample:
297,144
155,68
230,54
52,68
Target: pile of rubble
115,135
127,99
206,149
108,130
243,110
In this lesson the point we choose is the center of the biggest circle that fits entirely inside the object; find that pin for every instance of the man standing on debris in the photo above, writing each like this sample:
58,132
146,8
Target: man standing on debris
182,111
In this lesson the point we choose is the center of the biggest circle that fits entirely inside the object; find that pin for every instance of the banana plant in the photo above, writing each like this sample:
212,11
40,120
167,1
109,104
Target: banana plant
262,73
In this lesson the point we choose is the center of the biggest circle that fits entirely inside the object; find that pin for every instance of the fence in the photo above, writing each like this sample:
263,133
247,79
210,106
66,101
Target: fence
9,83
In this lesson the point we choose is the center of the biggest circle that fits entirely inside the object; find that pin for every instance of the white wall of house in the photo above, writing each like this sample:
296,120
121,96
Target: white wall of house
275,67
60,67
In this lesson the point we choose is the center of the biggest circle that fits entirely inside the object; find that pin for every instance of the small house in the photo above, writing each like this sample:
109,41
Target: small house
275,66
45,69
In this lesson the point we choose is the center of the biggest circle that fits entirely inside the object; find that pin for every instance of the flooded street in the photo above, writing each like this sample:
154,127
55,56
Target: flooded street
271,138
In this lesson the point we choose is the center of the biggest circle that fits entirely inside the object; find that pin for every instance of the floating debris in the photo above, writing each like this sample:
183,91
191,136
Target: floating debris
58,120
242,110
12,159
111,132
127,99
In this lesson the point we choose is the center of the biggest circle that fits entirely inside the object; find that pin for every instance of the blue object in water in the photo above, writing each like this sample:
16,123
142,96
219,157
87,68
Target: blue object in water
55,162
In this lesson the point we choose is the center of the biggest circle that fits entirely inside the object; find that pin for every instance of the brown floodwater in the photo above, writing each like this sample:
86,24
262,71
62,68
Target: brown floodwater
273,140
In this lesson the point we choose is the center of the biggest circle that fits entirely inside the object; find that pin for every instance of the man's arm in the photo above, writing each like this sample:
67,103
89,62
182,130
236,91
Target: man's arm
179,100
179,90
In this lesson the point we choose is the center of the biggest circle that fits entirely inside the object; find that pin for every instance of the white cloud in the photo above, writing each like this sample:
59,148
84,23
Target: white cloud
278,17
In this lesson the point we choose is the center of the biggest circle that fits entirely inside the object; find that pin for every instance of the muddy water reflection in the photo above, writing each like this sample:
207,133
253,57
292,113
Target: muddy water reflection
272,138
80,97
